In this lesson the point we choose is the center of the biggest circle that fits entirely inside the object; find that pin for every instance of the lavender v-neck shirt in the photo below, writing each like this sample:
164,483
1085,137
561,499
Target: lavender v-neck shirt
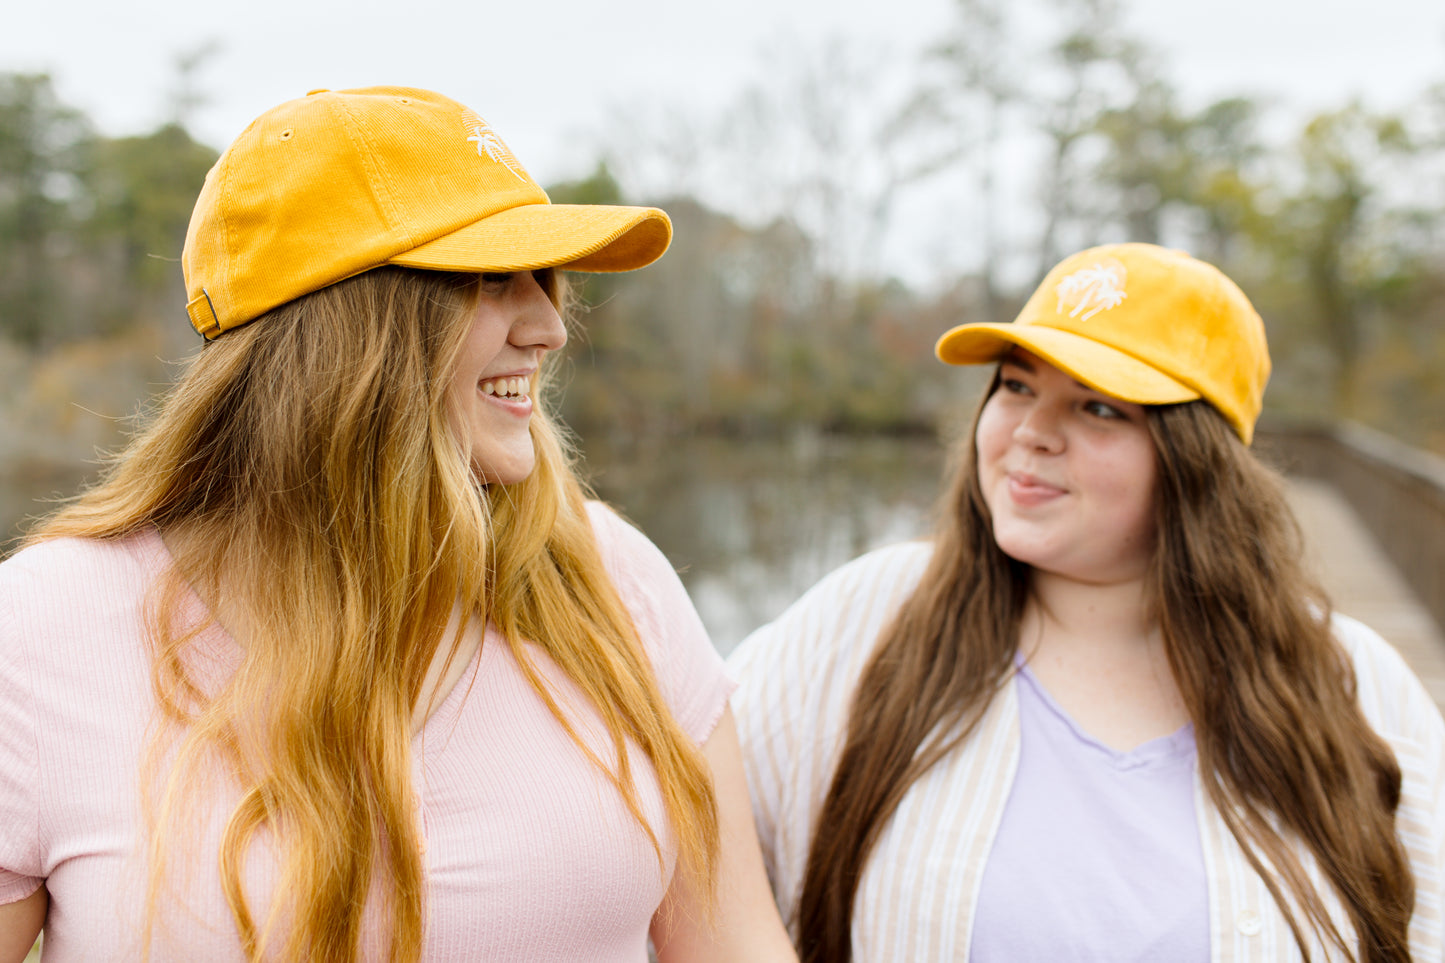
1098,855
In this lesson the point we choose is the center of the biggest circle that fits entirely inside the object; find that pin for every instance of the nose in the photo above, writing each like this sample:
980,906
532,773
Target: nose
537,324
1039,429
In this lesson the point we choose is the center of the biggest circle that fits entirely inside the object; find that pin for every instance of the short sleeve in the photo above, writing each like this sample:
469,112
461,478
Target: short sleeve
20,856
689,671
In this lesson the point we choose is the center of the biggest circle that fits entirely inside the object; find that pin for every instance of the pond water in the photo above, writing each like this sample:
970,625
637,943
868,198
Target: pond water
749,525
30,494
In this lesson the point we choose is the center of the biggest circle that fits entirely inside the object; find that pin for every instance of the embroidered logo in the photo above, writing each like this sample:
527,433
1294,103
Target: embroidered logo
1090,290
490,145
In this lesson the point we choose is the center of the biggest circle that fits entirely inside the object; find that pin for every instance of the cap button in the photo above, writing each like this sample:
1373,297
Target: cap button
318,90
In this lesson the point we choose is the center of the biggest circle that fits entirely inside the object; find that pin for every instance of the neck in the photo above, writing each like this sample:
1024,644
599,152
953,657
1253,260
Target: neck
1095,616
1102,658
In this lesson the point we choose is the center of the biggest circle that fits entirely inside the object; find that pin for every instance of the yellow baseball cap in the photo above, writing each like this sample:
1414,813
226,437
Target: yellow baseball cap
1140,323
339,182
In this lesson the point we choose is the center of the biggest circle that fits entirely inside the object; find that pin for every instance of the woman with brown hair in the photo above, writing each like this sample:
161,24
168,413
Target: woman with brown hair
338,661
1104,714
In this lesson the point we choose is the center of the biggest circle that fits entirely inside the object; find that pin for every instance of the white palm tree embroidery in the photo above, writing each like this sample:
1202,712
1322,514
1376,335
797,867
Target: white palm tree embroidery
1091,290
490,145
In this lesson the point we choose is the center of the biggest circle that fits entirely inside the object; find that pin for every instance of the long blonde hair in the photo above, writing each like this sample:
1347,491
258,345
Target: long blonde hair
1285,754
310,460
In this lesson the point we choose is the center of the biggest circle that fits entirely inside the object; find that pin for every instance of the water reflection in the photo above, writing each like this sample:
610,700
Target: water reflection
751,525
29,494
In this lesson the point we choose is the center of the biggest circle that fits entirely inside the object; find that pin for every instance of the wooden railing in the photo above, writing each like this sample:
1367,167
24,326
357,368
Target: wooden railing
1397,491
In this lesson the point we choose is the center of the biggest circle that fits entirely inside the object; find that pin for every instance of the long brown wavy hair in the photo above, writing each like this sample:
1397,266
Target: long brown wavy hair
1285,754
309,457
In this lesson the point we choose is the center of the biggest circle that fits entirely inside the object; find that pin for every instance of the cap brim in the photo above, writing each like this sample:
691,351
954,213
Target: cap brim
1089,362
578,237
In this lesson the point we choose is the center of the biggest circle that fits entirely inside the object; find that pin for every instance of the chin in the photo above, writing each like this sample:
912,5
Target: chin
504,465
509,473
493,477
1028,547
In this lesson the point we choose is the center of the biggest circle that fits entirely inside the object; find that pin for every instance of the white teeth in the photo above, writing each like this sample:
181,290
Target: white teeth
505,387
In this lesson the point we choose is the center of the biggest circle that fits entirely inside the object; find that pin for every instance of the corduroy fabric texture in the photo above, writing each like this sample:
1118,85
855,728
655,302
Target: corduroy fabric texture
335,183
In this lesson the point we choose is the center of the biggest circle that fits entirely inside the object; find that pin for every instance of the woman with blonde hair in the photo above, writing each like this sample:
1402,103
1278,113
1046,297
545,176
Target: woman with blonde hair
338,661
1104,714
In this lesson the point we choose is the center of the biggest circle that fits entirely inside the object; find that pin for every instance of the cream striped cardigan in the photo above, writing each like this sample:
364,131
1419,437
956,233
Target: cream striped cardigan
919,889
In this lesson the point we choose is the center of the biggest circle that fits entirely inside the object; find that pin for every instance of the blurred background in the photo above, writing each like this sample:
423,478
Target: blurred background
846,179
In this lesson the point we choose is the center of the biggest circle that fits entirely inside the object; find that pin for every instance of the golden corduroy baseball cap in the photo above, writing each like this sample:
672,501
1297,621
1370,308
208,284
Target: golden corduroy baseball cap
339,182
1141,323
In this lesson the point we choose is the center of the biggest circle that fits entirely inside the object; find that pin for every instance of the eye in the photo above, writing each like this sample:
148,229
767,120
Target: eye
1101,409
1013,386
497,278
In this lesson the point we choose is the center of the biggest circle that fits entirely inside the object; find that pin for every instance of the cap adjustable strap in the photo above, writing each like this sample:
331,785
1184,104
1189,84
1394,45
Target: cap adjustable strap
203,315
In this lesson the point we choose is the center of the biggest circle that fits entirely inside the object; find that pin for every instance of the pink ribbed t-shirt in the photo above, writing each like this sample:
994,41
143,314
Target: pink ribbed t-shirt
530,853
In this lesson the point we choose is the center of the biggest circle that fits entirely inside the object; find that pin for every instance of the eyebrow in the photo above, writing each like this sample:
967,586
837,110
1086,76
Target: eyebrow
1017,360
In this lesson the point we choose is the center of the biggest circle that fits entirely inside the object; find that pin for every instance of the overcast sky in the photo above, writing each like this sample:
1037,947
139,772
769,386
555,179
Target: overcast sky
541,69
548,74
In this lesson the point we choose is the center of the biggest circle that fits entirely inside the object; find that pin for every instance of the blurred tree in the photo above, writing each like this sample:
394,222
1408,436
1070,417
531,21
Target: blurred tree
1097,67
652,355
1222,152
43,157
833,154
1144,167
186,94
1196,180
1323,233
611,355
978,91
755,319
598,187
822,142
143,189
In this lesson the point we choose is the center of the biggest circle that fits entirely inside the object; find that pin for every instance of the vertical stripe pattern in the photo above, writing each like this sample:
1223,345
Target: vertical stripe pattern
919,889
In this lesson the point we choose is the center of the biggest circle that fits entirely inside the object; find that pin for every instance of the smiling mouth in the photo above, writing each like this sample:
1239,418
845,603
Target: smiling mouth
1029,490
510,388
1032,481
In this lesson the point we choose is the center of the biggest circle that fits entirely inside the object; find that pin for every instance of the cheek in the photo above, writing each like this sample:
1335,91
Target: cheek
991,439
457,412
1132,497
992,444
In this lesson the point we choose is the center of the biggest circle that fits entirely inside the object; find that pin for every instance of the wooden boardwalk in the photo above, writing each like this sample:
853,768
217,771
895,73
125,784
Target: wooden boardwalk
1364,583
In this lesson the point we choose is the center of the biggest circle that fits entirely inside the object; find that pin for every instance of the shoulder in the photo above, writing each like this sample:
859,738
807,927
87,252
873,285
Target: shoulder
796,675
881,577
1398,707
645,580
688,668
59,555
68,574
619,540
1390,694
899,565
843,613
637,567
65,601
